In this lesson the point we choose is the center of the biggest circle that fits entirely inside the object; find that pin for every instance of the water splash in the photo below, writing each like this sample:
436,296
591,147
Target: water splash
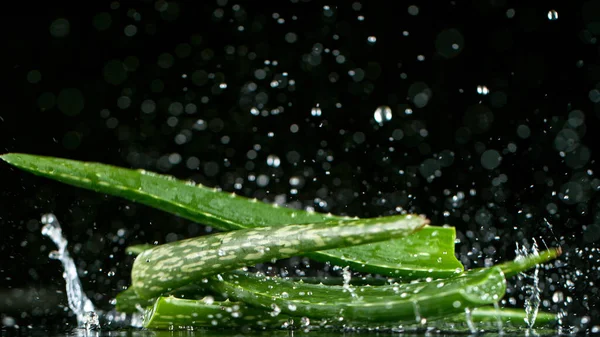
564,328
79,303
532,303
498,319
417,311
469,319
347,277
87,316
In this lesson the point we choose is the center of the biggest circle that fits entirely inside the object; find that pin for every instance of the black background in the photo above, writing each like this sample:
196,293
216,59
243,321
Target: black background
540,115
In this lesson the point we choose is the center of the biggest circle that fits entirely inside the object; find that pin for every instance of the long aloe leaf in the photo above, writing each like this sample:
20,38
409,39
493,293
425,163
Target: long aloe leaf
128,301
170,266
412,257
169,313
176,313
522,263
137,249
505,317
402,302
416,249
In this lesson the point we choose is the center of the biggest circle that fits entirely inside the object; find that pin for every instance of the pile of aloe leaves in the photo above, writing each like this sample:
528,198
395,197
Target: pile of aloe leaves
411,276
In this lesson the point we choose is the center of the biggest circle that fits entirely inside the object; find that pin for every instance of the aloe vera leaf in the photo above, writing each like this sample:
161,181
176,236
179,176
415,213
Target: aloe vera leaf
507,316
331,280
173,313
170,266
398,303
137,249
338,281
128,301
439,245
226,211
522,263
361,255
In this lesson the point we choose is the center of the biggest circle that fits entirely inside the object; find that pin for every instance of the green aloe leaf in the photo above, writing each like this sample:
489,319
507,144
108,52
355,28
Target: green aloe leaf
416,249
507,317
398,303
166,267
137,249
128,301
522,263
168,313
428,253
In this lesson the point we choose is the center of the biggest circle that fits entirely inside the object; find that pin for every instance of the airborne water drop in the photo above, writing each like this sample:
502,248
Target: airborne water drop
383,114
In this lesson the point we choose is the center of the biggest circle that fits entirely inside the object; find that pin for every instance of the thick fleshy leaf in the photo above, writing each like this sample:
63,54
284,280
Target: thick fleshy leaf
522,263
171,313
138,249
408,302
428,253
167,267
506,317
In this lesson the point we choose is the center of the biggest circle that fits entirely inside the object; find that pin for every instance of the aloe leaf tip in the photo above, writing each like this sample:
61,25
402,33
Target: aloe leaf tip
10,157
521,264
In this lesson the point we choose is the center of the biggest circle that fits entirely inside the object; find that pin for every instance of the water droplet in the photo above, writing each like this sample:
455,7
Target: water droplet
48,218
558,297
8,321
482,90
254,111
383,114
276,310
223,85
295,181
209,300
552,15
372,39
273,160
54,255
315,111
